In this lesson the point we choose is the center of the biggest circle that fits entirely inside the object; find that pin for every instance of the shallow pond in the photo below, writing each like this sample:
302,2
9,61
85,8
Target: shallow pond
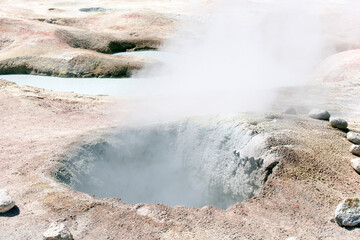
92,86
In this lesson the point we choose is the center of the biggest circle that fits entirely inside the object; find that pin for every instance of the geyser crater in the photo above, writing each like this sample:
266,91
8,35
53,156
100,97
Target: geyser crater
194,163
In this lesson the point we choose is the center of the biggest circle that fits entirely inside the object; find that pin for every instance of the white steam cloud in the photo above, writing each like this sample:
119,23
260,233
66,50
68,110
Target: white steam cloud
229,63
241,51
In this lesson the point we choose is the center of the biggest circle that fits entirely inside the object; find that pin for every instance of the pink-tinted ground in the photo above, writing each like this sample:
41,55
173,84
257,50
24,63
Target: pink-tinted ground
38,126
299,198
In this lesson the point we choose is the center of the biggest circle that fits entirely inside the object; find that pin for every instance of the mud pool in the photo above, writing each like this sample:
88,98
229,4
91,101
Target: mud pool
191,163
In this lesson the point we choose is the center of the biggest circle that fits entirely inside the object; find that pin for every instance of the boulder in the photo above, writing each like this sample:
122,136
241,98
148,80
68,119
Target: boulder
347,213
319,114
355,149
338,123
58,231
353,137
355,163
6,202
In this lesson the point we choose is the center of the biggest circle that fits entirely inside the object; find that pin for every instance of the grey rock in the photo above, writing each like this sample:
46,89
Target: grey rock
353,137
94,9
355,149
290,110
348,212
6,202
355,163
57,231
338,123
319,114
292,238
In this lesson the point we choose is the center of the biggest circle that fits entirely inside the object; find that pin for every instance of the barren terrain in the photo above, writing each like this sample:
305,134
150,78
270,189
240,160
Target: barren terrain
39,126
76,38
299,198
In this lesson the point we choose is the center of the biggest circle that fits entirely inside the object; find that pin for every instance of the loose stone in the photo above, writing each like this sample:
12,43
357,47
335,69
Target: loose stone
319,114
353,137
355,163
58,231
6,202
338,123
347,213
355,149
292,238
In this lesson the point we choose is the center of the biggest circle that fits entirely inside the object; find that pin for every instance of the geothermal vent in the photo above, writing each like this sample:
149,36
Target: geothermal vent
192,163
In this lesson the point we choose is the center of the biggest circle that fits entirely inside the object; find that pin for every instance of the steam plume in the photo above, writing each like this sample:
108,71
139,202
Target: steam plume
241,51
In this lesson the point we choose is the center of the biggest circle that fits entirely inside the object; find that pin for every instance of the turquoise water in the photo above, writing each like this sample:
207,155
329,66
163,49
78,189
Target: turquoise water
92,86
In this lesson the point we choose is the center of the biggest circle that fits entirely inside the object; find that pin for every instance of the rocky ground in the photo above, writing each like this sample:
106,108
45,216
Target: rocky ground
77,38
38,126
299,198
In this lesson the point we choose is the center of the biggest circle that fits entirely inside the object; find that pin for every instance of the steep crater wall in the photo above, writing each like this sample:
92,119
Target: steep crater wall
191,163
